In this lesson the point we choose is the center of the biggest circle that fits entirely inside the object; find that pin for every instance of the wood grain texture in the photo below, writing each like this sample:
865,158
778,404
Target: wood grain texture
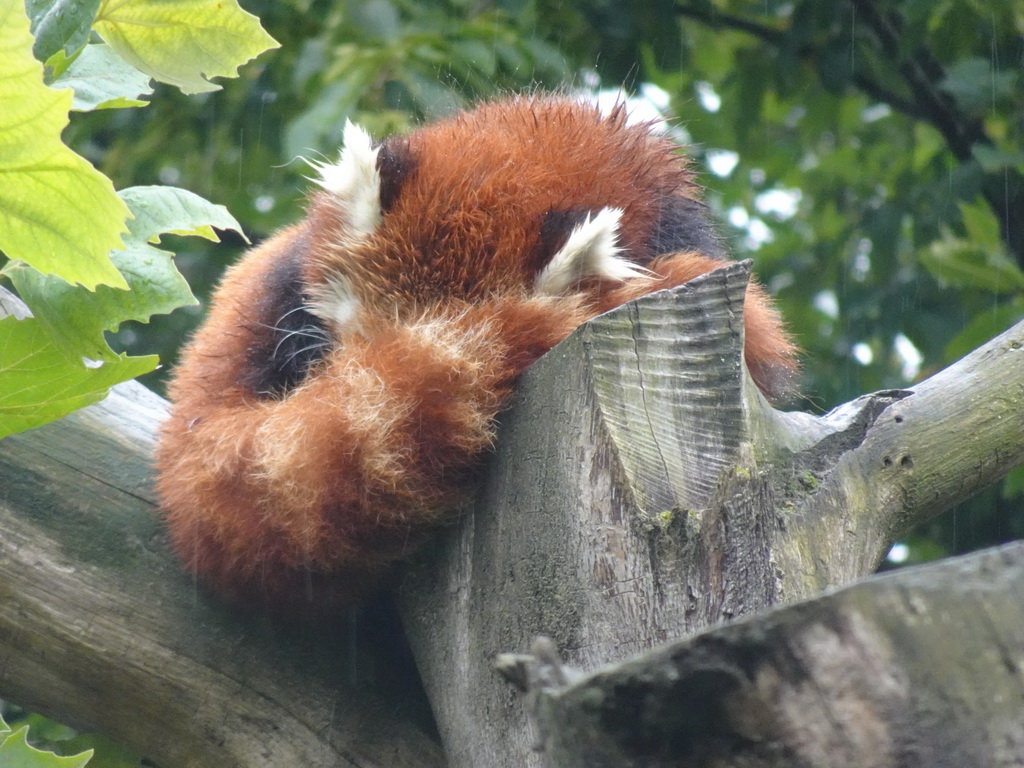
917,669
643,491
676,430
101,629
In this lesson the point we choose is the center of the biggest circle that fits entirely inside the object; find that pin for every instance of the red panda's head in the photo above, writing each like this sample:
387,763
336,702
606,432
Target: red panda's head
518,200
538,198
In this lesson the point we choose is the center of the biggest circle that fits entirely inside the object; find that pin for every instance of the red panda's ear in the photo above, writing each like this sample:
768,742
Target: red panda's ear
353,183
590,251
366,180
396,163
359,189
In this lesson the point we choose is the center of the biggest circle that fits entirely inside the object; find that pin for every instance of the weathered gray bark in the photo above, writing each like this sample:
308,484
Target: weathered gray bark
643,491
919,669
100,628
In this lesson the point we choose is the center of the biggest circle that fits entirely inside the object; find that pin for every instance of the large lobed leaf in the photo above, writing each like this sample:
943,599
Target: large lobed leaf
39,384
61,221
57,212
16,752
59,360
76,319
184,42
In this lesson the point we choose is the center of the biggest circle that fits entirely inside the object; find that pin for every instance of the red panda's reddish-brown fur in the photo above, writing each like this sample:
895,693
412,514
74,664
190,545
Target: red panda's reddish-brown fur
306,453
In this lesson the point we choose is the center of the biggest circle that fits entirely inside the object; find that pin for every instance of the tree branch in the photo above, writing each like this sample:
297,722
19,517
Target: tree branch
717,19
844,680
924,73
101,629
642,490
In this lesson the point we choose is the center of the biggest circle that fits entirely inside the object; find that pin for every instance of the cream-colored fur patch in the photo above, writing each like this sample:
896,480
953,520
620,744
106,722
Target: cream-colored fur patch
355,181
590,251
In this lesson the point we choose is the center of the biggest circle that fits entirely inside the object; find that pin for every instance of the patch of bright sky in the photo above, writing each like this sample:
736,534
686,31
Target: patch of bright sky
707,96
909,355
861,265
721,162
650,105
862,353
757,232
875,112
827,303
899,553
780,203
738,216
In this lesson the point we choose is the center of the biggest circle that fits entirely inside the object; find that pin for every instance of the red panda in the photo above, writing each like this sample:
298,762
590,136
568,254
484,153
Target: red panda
333,409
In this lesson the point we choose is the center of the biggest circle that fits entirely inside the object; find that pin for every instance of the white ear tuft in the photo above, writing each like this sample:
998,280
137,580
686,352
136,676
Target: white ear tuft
590,251
335,303
355,181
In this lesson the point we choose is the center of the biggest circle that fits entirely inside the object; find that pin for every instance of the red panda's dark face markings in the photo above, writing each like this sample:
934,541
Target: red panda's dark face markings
288,339
396,162
394,239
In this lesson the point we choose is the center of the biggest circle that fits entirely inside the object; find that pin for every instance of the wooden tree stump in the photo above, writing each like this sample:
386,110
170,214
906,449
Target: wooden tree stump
643,490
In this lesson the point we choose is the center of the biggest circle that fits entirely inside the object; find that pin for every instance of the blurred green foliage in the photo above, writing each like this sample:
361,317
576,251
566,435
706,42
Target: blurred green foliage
868,155
877,153
80,254
21,749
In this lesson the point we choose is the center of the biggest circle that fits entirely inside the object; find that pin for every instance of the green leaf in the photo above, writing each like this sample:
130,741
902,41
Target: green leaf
60,25
1014,483
159,210
62,740
108,754
46,732
993,160
15,751
981,224
57,212
39,384
76,319
982,328
974,84
100,79
183,42
964,263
